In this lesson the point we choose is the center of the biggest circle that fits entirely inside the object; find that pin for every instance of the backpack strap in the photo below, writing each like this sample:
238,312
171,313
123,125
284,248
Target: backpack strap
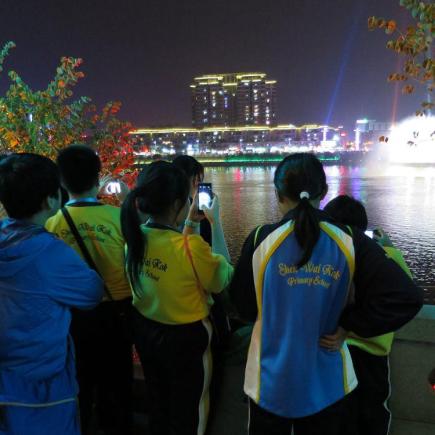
82,246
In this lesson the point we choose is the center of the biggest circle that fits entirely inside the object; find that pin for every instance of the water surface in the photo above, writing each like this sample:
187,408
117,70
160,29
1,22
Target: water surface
401,200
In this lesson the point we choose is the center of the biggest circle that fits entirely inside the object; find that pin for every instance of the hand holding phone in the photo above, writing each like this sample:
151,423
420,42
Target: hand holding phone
382,238
204,196
369,233
212,213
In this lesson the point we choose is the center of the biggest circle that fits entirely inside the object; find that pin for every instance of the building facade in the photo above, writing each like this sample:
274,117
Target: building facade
163,141
236,99
368,132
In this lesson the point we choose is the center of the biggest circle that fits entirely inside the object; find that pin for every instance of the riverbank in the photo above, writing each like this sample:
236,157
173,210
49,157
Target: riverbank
267,159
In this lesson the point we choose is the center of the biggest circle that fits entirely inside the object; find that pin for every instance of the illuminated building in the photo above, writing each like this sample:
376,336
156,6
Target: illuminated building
238,139
236,99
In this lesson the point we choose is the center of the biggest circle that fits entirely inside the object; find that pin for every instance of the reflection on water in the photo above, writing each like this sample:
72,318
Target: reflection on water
401,201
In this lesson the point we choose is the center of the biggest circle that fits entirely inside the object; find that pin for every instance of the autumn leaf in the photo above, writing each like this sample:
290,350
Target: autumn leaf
390,27
408,89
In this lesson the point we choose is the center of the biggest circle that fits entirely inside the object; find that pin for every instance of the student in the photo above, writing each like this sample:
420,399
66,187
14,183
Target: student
293,280
41,279
102,336
172,275
369,355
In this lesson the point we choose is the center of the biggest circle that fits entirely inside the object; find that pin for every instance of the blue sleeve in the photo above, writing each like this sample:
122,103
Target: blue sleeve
71,282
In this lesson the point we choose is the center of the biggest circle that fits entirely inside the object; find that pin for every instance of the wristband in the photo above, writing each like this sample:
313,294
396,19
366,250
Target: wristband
191,224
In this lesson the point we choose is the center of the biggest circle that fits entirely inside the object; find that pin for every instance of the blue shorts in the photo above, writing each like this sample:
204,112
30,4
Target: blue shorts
62,419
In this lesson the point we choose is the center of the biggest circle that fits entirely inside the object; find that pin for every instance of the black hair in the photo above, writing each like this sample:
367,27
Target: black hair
297,173
79,167
26,181
348,211
189,165
159,186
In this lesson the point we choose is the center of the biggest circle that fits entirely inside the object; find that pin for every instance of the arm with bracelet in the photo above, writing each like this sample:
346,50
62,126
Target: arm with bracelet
212,213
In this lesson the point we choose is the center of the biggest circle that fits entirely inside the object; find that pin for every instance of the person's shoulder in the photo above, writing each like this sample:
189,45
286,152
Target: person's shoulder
110,212
53,221
195,240
108,208
261,232
56,245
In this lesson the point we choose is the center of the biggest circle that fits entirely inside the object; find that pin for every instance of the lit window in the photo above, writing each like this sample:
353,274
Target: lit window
204,112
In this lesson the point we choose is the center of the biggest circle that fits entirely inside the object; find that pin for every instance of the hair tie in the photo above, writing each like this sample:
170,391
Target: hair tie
304,194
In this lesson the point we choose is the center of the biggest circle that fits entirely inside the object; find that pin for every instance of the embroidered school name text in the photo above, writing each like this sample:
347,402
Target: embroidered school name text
322,273
157,265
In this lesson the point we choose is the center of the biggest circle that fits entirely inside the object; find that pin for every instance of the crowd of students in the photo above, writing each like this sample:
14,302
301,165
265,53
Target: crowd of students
81,282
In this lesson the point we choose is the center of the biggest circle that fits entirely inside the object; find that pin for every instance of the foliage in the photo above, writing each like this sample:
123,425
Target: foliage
48,120
414,44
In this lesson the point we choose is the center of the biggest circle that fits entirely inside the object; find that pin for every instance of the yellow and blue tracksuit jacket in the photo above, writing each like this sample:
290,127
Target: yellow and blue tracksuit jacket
287,372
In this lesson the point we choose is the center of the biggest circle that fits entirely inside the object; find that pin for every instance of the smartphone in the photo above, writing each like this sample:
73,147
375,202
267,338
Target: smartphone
205,195
369,233
113,188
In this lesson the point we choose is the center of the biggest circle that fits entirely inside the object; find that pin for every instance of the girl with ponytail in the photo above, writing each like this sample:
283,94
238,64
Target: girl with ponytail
293,281
172,276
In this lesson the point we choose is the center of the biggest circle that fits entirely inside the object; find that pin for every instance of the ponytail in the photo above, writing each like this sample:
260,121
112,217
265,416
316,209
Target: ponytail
307,229
135,240
300,177
159,186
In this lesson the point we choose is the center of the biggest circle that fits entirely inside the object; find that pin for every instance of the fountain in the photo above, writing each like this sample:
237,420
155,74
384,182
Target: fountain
412,142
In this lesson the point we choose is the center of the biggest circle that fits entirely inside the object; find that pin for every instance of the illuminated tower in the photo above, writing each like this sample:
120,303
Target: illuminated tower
235,99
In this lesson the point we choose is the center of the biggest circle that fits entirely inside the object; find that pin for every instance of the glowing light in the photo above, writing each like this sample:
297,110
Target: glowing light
413,141
231,129
347,51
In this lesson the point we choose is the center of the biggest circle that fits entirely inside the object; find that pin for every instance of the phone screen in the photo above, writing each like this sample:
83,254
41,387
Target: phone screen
205,195
113,188
369,233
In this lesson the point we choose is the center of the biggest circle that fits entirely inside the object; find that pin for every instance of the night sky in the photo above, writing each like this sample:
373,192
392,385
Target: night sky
146,52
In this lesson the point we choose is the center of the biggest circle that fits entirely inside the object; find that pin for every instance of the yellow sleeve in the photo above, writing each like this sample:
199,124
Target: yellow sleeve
213,270
397,256
51,224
